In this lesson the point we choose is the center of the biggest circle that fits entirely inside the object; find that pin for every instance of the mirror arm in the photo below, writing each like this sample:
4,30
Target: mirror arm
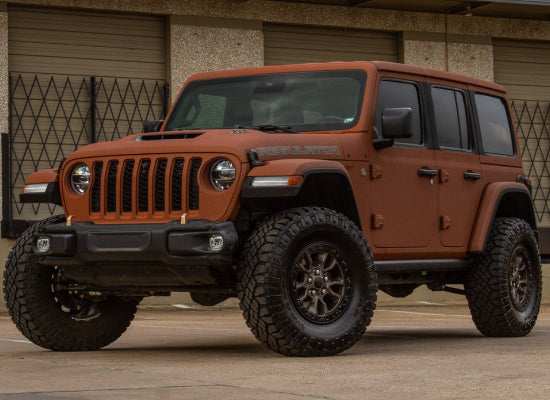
382,143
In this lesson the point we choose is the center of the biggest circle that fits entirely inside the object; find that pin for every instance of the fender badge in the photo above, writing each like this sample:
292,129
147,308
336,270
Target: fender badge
302,150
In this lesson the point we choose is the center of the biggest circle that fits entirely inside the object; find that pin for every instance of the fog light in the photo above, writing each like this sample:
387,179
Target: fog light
216,242
42,245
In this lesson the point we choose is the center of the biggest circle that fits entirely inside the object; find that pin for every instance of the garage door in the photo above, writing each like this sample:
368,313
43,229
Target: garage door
523,68
77,77
290,44
78,43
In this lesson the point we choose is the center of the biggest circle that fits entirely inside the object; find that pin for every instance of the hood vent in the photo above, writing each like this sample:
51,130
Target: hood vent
187,135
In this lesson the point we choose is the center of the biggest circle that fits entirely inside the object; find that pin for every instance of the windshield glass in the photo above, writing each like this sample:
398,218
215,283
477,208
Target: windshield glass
303,101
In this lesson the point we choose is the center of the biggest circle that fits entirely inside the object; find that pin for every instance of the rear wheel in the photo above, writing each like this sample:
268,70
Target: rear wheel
51,315
504,288
307,283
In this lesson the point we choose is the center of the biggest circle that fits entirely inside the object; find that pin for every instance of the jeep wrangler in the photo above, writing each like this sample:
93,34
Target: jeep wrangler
300,189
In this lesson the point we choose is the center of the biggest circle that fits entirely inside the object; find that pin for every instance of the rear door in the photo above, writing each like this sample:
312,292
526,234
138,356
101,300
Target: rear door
457,159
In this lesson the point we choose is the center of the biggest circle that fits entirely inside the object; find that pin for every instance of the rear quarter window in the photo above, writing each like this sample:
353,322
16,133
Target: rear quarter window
494,125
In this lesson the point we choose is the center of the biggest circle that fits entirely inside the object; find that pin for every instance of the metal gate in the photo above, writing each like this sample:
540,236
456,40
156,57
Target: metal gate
533,127
50,117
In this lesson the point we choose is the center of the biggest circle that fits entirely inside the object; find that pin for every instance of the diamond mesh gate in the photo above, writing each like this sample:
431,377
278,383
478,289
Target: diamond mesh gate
533,127
50,117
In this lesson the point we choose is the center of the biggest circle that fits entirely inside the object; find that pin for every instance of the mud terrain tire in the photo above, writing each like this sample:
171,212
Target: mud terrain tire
504,288
307,282
45,316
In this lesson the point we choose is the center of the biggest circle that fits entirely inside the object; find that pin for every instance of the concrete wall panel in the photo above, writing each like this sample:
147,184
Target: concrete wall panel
201,45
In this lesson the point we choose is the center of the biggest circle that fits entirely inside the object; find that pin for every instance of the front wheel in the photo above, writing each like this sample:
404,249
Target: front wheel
504,287
49,314
307,282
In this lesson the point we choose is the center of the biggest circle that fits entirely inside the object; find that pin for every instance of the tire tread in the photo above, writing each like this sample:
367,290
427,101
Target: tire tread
29,302
260,270
486,284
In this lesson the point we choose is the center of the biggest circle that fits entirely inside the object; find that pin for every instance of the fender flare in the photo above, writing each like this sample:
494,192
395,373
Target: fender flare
489,205
52,193
306,168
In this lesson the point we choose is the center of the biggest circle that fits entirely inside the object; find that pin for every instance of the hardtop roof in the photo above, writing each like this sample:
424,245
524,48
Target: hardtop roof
368,66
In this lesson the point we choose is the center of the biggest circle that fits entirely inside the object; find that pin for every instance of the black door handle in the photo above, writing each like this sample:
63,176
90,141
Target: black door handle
428,172
472,175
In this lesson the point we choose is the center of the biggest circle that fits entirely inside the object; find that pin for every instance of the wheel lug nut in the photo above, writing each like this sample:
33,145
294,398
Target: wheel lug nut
309,280
317,272
313,292
323,291
325,278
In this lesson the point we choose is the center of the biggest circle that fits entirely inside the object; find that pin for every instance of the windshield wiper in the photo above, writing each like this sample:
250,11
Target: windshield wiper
269,128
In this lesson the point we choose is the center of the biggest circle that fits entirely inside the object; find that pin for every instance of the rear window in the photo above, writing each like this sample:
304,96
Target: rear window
450,119
496,135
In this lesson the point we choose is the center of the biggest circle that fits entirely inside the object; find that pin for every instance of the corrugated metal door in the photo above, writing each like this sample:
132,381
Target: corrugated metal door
523,67
63,61
293,44
76,43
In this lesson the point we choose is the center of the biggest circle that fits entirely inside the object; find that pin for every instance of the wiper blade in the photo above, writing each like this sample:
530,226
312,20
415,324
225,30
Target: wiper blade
269,128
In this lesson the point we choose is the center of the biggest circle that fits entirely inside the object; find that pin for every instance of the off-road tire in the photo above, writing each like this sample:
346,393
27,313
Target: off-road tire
40,315
505,285
272,276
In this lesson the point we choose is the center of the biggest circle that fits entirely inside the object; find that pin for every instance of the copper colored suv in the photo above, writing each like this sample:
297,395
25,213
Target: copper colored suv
302,190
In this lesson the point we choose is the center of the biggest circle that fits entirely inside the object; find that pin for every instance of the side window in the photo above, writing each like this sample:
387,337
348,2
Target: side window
496,135
393,94
450,119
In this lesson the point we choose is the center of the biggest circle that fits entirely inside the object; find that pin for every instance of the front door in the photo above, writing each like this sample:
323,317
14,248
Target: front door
404,177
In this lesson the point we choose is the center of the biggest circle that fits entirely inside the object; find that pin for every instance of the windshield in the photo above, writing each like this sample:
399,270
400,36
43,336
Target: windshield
302,101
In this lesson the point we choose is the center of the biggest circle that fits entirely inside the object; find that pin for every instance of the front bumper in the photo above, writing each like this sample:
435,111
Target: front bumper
171,244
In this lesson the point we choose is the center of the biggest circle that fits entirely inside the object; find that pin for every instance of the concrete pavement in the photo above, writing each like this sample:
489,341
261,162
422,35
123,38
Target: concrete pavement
420,352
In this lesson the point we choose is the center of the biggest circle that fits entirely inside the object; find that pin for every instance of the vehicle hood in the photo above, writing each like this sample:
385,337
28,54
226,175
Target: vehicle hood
237,142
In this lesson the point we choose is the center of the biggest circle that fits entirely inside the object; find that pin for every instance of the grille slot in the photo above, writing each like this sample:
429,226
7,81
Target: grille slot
177,184
194,184
143,186
127,186
160,184
111,186
96,188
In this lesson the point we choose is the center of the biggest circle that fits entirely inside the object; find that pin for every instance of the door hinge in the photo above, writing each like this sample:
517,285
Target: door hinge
377,221
443,176
445,222
375,171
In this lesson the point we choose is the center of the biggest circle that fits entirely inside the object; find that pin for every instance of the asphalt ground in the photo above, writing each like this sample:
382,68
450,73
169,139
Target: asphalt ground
409,352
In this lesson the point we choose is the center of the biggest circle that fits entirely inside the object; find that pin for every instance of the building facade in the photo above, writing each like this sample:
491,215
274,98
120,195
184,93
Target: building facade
78,71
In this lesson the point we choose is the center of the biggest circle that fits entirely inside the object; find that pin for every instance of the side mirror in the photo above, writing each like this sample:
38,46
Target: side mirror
152,126
397,123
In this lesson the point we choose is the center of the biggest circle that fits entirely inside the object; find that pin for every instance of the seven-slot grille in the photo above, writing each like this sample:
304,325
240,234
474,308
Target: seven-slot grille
149,185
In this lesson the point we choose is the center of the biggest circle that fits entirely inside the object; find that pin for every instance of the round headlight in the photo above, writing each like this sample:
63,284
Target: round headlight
222,174
80,178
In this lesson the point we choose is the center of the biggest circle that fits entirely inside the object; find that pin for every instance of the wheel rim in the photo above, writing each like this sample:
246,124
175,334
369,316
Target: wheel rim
520,278
320,283
78,308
